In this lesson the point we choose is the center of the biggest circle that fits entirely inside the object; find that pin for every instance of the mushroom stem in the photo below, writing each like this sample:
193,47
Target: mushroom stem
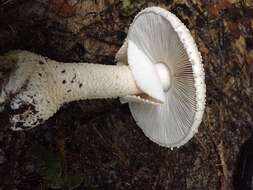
66,82
90,81
164,75
38,86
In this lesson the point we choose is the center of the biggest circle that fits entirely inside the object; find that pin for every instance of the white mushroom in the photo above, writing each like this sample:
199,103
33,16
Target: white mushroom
158,39
159,73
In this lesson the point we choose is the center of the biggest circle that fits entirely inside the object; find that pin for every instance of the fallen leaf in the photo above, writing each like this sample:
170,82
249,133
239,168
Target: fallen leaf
63,8
241,45
216,8
233,28
249,58
248,3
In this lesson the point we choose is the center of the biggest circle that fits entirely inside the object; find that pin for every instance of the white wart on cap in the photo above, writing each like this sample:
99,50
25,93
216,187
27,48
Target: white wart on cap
158,48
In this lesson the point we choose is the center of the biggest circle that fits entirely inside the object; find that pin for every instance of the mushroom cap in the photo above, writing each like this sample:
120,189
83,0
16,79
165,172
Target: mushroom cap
157,36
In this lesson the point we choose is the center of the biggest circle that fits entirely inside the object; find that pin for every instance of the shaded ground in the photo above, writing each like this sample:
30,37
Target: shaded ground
96,144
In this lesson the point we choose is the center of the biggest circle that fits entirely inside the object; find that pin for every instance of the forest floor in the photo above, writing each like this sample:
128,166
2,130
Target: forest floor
96,144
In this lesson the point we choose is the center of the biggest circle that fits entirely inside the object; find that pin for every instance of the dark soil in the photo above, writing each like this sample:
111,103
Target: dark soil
96,144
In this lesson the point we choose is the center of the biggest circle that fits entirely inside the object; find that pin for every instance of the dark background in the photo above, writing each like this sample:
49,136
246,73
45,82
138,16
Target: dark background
96,144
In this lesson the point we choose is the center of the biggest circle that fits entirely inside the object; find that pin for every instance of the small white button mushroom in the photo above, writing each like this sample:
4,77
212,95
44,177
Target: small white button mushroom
159,73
